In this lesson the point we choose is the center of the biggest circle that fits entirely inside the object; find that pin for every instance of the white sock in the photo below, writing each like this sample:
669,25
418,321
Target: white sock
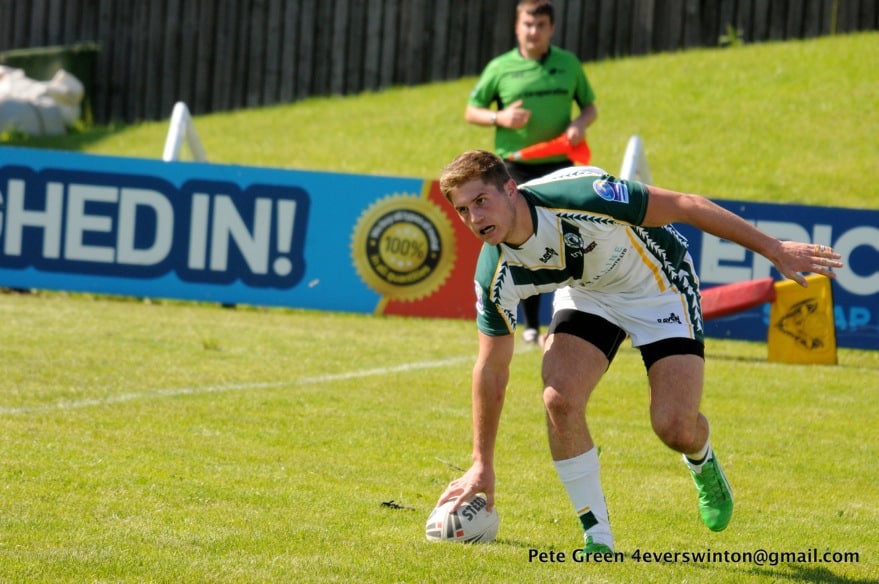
697,459
582,479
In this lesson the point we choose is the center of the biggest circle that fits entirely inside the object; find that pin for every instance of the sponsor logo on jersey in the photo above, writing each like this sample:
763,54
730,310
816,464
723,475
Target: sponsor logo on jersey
545,93
548,254
575,242
611,191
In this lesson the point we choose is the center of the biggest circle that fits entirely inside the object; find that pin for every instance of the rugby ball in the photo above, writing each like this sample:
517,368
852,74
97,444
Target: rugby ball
470,523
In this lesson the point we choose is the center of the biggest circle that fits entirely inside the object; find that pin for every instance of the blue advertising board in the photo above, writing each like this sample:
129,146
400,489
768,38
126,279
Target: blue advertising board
185,230
331,241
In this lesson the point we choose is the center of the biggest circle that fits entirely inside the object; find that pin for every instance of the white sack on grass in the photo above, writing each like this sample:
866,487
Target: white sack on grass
38,108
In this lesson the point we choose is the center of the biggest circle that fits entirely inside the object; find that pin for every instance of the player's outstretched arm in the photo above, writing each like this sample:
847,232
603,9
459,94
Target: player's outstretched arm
791,258
489,384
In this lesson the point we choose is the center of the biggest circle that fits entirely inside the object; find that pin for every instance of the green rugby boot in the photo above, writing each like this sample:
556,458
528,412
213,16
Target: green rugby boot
715,495
596,548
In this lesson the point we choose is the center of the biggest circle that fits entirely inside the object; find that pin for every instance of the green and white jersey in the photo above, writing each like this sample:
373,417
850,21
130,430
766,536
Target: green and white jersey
587,236
547,87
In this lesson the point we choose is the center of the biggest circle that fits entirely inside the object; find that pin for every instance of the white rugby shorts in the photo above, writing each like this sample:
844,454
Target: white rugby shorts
646,319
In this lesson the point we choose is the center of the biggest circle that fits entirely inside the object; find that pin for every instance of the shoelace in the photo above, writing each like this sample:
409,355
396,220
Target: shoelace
714,488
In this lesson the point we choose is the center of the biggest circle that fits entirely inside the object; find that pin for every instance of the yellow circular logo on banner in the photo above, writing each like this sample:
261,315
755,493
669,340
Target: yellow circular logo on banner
403,247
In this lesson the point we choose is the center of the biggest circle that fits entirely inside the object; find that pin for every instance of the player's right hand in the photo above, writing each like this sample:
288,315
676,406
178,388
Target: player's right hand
478,479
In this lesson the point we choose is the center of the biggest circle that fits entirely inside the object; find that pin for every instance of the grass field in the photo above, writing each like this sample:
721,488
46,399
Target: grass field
167,442
158,441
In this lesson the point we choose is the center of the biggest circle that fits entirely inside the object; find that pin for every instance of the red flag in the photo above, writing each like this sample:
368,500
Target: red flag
561,145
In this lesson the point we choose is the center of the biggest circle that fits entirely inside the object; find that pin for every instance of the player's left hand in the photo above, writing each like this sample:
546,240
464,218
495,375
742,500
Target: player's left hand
797,258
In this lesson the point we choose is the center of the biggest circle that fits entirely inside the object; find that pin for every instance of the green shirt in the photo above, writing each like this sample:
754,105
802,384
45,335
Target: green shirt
587,235
547,87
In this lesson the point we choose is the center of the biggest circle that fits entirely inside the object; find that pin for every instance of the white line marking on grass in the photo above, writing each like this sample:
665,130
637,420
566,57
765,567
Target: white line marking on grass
160,393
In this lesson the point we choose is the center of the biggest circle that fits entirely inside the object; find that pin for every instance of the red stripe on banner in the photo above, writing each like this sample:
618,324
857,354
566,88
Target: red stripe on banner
731,298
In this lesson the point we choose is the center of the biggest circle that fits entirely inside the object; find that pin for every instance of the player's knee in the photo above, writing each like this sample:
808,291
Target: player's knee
678,432
558,403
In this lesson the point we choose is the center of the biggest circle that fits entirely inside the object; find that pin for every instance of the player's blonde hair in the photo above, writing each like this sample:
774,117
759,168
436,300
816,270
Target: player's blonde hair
472,165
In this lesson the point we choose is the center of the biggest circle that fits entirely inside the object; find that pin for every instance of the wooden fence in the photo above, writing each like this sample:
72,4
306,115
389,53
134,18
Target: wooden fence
227,54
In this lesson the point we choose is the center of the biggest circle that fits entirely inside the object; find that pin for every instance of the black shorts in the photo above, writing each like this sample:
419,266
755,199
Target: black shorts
608,337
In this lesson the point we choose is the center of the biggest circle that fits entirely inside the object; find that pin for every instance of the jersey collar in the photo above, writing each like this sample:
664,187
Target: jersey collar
532,208
540,60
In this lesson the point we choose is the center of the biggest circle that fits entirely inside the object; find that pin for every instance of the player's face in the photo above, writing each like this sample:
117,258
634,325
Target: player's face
533,33
486,210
